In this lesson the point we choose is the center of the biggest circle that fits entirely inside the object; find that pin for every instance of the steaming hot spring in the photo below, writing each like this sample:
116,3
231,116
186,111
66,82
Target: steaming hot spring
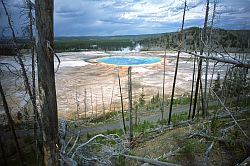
129,60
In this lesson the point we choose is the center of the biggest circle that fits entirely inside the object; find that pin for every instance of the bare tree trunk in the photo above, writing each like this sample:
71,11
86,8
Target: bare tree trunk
33,64
177,64
209,51
11,125
163,85
123,119
150,161
191,97
136,113
237,63
130,105
200,65
197,88
205,86
211,80
85,102
91,100
96,105
24,74
111,99
202,100
46,79
248,43
103,105
226,84
3,152
77,105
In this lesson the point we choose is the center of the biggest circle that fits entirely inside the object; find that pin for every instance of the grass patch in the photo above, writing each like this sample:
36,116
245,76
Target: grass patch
179,117
142,128
119,160
115,131
109,116
182,100
193,148
162,122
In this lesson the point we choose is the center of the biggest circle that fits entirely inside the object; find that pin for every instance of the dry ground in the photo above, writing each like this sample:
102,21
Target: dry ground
79,71
96,77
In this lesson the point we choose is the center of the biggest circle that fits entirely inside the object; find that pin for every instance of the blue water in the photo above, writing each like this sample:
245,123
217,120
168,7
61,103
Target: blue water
129,61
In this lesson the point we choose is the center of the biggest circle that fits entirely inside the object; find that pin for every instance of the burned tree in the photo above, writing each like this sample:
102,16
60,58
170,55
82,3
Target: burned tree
120,88
11,124
130,105
177,63
46,79
200,67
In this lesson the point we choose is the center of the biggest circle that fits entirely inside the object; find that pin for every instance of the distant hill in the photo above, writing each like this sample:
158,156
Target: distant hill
99,42
119,37
220,38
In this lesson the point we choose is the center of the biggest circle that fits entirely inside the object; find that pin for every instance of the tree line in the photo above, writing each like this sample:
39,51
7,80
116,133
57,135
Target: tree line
200,45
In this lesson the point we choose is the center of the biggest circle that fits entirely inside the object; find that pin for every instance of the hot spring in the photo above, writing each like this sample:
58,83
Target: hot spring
129,61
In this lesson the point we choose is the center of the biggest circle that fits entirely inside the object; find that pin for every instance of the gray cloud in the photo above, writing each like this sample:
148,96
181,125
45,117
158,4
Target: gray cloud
120,17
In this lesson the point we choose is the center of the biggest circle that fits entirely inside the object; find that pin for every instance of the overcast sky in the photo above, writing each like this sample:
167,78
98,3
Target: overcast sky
129,17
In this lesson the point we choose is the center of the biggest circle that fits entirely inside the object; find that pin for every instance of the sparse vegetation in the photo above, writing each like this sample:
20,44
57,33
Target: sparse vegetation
159,125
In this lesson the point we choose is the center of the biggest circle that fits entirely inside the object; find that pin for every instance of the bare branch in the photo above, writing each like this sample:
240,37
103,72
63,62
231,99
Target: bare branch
150,161
235,121
208,152
230,61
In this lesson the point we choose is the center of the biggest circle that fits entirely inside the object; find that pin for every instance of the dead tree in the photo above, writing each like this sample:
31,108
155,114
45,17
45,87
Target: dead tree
150,161
103,105
191,96
136,112
130,105
197,88
91,100
236,63
208,53
23,70
31,37
33,63
123,119
31,92
30,7
202,99
177,63
85,102
46,79
11,125
111,99
3,152
200,66
77,105
96,105
163,85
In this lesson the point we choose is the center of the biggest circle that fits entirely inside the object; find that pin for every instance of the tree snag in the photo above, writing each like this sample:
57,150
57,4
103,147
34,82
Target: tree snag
46,79
177,63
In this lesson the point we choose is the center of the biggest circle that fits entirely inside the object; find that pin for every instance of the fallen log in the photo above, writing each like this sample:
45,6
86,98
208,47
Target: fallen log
245,162
223,60
150,161
206,157
220,139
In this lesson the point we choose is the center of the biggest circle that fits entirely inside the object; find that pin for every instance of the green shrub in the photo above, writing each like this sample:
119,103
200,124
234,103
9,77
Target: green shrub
179,117
193,147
